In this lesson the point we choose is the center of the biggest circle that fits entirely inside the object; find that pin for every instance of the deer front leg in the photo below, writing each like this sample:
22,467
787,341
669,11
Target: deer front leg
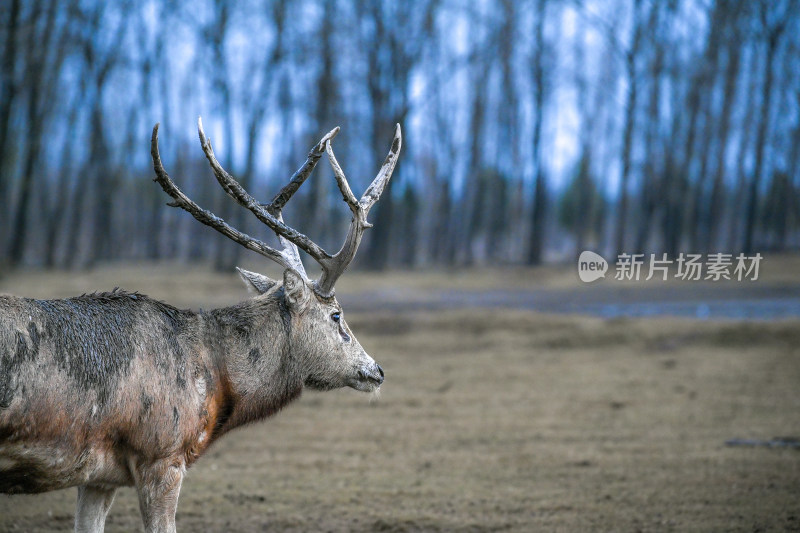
158,486
93,506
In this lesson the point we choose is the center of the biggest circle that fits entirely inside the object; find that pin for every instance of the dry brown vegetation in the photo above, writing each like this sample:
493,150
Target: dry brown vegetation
493,420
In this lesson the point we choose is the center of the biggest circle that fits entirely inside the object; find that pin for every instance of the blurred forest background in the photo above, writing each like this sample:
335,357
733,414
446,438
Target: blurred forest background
532,129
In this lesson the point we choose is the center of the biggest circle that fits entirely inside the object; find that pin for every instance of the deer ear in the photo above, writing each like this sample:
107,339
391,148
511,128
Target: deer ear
295,290
256,283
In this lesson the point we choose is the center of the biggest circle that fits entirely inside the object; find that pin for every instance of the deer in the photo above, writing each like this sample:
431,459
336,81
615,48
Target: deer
116,389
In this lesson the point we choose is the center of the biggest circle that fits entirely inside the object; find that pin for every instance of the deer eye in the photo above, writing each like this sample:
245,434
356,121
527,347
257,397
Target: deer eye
336,317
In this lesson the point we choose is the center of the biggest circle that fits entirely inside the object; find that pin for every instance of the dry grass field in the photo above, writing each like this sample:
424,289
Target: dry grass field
492,420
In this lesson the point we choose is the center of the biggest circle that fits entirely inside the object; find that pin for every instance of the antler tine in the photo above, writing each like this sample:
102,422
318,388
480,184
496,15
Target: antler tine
302,173
334,267
375,189
275,207
206,217
271,214
341,181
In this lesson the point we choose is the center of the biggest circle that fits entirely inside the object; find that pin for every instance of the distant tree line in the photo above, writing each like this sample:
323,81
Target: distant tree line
533,130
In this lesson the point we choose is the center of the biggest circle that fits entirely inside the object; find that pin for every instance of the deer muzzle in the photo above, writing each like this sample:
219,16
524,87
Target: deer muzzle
369,377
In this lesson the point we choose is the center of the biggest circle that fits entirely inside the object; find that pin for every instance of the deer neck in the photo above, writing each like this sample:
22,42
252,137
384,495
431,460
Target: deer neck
257,372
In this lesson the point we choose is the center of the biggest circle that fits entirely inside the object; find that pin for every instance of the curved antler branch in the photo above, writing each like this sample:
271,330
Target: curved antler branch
375,189
271,213
341,180
275,207
333,268
290,238
299,177
206,217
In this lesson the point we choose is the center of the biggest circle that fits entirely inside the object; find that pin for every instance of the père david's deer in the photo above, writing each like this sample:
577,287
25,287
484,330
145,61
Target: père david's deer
116,389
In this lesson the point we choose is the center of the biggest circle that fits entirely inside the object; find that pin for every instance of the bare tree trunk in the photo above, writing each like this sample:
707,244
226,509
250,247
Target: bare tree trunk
650,186
584,208
780,191
439,242
627,134
737,201
445,241
225,255
695,221
539,203
474,189
773,37
39,47
58,211
392,50
8,91
408,228
677,172
583,213
601,146
715,207
501,205
791,192
496,215
88,177
155,61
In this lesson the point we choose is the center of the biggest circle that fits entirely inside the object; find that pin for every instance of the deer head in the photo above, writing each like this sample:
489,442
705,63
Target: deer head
320,337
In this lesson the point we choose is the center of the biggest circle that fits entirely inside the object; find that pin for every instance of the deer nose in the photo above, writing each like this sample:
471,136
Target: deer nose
370,375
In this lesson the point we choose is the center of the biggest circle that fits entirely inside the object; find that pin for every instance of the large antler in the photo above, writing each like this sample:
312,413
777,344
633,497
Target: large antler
271,214
333,267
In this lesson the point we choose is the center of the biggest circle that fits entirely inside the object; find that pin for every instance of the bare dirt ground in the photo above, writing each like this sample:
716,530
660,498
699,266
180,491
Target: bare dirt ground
492,419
